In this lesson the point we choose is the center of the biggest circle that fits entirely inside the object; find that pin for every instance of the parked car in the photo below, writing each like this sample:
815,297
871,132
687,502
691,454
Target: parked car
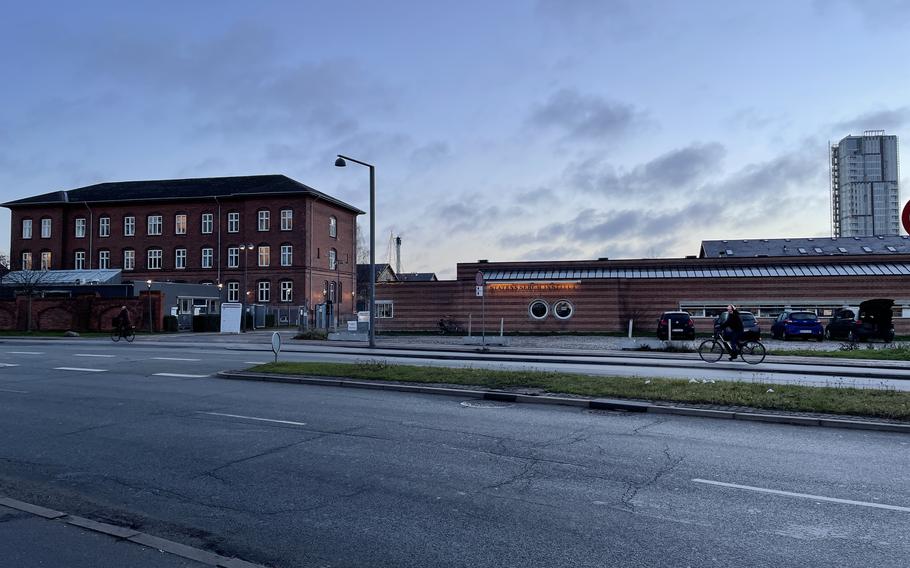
798,324
751,329
873,321
679,323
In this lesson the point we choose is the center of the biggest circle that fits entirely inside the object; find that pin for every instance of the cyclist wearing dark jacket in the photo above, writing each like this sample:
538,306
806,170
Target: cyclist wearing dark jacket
735,324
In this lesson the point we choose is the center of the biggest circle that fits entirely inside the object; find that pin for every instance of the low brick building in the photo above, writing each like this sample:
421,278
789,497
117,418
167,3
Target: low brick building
275,239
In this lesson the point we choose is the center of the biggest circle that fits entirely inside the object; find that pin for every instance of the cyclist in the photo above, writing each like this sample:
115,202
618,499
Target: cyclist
735,324
123,322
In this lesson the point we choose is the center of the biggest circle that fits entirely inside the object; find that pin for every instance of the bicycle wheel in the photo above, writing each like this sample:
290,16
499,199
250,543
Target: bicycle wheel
130,335
711,350
752,352
115,335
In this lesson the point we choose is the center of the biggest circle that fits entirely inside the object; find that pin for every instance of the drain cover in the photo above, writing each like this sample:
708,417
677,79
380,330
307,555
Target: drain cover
486,404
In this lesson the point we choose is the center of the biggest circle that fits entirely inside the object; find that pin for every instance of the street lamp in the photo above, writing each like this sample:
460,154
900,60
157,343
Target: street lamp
340,163
246,248
148,290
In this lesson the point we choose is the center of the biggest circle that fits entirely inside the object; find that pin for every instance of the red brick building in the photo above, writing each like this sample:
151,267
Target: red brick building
285,243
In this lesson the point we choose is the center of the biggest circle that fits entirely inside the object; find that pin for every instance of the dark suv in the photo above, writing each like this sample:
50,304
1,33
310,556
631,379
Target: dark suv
751,329
679,323
873,322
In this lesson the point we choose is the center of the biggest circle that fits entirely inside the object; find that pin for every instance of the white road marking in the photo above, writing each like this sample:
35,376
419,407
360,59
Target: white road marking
254,363
80,369
174,359
25,352
179,375
91,355
15,391
805,496
254,418
9,364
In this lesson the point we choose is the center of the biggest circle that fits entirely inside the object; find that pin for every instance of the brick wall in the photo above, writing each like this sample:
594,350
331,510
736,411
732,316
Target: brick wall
82,313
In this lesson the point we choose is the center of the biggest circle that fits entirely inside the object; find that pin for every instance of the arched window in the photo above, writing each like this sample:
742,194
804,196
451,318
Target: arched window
333,292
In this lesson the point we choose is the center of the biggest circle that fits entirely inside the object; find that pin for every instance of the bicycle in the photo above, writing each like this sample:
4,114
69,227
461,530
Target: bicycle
711,350
129,334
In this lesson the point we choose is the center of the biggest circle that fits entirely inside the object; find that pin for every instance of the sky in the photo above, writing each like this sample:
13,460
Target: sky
507,130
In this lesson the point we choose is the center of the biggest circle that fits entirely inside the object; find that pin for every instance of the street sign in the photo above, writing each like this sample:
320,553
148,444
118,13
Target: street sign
478,279
905,217
478,291
276,344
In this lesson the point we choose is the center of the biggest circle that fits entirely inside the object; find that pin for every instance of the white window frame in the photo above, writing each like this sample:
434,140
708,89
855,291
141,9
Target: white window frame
26,261
264,255
333,227
155,224
104,226
129,226
233,222
233,257
79,260
180,259
80,227
208,257
46,260
385,309
263,220
26,228
333,259
129,259
104,259
46,226
153,259
180,224
287,291
233,291
287,219
287,255
263,291
208,223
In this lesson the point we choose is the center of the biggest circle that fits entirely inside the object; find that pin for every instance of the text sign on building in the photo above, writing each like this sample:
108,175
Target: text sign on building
478,291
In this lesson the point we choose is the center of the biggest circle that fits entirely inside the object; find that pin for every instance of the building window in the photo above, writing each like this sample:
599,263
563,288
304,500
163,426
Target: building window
45,260
208,223
129,226
263,291
180,258
104,227
79,263
45,228
80,228
287,219
563,309
153,259
104,259
333,292
333,227
264,255
233,222
155,224
287,291
333,259
208,255
180,224
263,221
129,260
384,309
26,228
26,261
538,309
233,257
287,255
233,291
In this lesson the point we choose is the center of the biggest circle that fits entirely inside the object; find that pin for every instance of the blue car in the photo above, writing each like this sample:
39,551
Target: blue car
803,325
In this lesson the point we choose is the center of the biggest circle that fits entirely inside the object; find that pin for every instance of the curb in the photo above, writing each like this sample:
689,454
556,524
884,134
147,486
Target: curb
134,536
593,404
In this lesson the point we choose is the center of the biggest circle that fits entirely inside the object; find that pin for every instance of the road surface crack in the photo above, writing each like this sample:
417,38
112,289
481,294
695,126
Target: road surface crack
632,488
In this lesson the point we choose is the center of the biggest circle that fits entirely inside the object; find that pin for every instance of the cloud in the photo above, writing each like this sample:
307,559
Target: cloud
883,119
550,253
429,154
585,117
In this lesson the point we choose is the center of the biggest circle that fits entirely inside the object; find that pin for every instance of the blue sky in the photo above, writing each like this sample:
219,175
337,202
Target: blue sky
550,129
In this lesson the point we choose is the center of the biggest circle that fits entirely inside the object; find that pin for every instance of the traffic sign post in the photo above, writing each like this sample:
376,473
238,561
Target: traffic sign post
276,344
480,283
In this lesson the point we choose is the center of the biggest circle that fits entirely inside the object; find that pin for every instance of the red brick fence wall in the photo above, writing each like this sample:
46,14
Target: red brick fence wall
82,313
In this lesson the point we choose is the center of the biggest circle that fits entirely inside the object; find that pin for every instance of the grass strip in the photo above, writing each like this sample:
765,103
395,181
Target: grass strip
900,353
879,403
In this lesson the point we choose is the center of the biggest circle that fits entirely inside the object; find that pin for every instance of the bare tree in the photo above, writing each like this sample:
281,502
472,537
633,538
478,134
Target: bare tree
363,249
27,282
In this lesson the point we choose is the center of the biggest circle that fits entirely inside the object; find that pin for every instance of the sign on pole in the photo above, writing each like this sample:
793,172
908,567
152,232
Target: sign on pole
276,344
478,291
478,278
905,217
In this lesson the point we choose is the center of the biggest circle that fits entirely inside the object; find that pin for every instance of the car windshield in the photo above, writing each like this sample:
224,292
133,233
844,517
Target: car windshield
803,316
676,317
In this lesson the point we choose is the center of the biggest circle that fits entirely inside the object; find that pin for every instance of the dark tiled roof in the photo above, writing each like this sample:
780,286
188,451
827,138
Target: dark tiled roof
816,246
417,277
363,272
195,188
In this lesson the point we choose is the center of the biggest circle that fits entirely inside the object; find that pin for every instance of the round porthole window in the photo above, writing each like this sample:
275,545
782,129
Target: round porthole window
538,309
563,309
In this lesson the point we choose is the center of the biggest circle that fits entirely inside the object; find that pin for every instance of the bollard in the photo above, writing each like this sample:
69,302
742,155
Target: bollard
469,325
630,328
500,326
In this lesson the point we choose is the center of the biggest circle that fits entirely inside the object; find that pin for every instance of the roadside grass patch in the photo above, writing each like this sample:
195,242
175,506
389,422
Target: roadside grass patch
880,403
853,351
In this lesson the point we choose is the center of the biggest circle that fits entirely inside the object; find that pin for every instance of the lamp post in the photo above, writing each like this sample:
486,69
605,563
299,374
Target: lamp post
148,289
340,163
246,248
220,296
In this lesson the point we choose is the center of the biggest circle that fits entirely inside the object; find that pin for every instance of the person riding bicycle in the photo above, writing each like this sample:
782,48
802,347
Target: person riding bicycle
735,324
123,322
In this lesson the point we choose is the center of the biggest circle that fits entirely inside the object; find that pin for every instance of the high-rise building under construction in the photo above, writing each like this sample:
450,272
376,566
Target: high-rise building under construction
865,193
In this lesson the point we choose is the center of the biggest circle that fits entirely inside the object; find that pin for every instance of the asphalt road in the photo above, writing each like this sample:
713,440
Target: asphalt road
290,475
